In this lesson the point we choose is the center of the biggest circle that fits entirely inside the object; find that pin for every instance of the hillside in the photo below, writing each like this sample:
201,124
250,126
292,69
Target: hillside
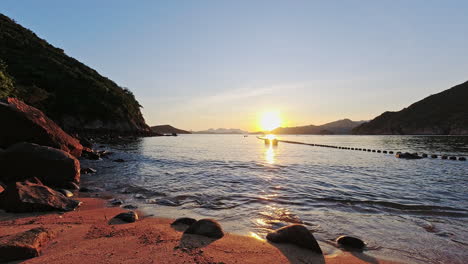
72,94
340,127
445,113
168,129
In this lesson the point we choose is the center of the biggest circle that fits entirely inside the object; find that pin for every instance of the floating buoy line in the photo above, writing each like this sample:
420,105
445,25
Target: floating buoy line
271,140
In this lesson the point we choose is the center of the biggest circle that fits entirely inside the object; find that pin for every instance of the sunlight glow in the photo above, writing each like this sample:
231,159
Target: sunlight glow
270,120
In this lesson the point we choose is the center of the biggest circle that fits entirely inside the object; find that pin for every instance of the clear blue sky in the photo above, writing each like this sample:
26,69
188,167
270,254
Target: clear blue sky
202,64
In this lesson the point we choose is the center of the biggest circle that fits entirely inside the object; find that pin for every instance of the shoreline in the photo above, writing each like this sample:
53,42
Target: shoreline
85,234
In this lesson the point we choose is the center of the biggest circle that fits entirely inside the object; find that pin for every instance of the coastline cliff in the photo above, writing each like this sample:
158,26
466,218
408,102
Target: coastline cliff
72,94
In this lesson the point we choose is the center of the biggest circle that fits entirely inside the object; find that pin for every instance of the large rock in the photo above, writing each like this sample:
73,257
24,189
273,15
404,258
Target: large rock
33,196
24,245
23,123
53,167
296,234
206,227
350,243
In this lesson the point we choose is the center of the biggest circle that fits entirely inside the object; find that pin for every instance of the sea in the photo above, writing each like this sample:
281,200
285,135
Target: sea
413,211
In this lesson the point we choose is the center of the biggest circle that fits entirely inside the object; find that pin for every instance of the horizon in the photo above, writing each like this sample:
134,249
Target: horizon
334,60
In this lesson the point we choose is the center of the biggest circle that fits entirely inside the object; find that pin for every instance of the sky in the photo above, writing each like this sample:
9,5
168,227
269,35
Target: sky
209,64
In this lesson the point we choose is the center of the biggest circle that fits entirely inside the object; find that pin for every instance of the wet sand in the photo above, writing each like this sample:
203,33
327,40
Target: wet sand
85,235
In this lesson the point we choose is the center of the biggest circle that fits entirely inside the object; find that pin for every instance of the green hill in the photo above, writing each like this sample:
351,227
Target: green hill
445,113
72,94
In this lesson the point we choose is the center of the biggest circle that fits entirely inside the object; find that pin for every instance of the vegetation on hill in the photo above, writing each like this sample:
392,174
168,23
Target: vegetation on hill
72,94
445,113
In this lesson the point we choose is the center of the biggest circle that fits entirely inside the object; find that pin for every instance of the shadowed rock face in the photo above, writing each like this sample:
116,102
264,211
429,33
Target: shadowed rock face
23,123
53,167
206,227
32,196
350,243
298,235
24,245
184,221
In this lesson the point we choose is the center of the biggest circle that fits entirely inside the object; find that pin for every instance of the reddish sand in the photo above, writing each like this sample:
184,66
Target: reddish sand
86,236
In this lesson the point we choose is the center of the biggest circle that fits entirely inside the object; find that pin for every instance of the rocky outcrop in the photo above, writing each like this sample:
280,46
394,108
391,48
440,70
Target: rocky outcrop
168,129
444,113
295,234
54,167
24,245
72,94
33,196
24,123
206,227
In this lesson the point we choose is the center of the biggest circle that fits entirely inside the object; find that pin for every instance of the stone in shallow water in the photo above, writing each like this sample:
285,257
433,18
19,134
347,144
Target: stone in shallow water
184,221
130,206
115,202
24,245
295,234
128,217
206,227
350,242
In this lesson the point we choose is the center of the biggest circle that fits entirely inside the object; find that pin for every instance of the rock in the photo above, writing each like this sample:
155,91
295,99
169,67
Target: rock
24,245
434,156
390,152
32,196
407,156
295,234
206,227
462,158
119,160
379,151
166,202
90,154
452,158
130,206
424,155
115,202
54,167
128,217
350,242
87,170
65,192
184,221
385,152
24,123
139,196
90,189
444,157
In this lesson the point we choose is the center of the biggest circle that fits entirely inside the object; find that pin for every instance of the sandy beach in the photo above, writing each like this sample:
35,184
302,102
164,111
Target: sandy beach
86,235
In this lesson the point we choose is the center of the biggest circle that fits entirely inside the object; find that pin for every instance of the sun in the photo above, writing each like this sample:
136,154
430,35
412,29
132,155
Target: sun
270,120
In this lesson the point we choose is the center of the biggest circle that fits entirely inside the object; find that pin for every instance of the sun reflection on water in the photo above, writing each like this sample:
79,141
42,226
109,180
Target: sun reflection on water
270,155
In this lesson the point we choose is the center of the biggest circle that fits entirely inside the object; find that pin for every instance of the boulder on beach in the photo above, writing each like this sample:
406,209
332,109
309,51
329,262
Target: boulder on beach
350,243
128,217
206,227
24,245
33,196
54,167
407,155
24,123
295,234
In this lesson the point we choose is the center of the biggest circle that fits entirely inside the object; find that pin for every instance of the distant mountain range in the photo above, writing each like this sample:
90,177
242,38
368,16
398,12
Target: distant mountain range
340,127
222,131
168,129
445,113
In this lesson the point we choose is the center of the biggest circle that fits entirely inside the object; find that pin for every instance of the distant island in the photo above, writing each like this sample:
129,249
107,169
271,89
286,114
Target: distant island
168,129
222,131
340,127
445,113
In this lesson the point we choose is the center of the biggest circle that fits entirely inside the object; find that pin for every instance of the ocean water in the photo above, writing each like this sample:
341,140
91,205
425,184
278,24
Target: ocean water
415,211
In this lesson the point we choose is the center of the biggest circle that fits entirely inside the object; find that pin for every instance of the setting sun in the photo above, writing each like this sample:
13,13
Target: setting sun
270,120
